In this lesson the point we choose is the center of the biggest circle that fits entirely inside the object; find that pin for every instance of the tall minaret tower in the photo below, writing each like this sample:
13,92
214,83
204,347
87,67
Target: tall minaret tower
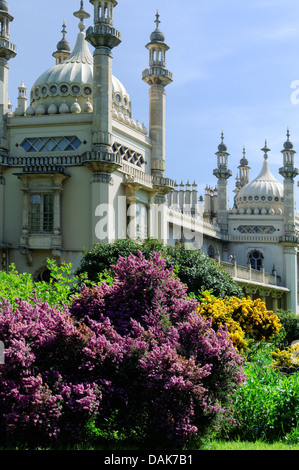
102,161
103,37
222,173
7,52
158,77
289,240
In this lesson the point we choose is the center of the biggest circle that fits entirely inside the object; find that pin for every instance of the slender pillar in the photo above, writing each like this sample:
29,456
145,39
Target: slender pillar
7,52
158,77
101,160
222,173
290,240
103,37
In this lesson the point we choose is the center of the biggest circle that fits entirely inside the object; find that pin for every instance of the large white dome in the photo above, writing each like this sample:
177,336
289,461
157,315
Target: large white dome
264,194
70,84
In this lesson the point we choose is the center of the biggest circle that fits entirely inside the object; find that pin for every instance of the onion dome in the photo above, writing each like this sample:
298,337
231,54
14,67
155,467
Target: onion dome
157,35
70,82
263,195
222,148
288,145
3,5
63,47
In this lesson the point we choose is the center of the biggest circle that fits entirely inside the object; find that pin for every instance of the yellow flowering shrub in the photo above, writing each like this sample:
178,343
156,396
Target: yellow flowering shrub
245,318
287,360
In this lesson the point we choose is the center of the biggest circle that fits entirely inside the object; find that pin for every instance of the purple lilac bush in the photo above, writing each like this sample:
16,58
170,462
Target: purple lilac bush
127,360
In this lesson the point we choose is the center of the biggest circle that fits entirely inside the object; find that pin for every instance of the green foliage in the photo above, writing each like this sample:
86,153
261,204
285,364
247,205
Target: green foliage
290,323
267,405
192,267
58,291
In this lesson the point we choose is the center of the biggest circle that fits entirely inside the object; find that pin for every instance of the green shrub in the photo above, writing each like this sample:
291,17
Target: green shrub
192,267
290,323
63,283
267,406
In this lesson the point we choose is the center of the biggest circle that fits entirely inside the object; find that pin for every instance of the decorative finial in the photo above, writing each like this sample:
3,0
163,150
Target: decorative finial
82,15
288,145
157,19
265,149
63,30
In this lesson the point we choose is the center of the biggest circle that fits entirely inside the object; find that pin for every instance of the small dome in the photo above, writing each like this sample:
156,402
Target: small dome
157,35
52,109
3,5
29,111
76,108
63,45
243,162
265,193
222,147
63,108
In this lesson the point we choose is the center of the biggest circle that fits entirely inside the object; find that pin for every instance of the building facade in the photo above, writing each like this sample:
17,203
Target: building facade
77,168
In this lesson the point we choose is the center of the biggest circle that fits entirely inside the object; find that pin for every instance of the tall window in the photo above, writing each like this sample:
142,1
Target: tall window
41,213
141,221
256,259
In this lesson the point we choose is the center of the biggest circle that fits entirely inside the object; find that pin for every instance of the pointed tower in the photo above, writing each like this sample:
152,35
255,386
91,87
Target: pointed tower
158,77
102,161
63,47
22,100
222,173
290,240
103,37
7,52
243,170
289,173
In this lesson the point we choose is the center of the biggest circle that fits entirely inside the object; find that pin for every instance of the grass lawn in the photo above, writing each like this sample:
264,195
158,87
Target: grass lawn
241,445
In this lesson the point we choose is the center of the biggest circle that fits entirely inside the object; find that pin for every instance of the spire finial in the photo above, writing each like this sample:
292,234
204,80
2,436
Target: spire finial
265,149
82,15
288,144
63,31
157,21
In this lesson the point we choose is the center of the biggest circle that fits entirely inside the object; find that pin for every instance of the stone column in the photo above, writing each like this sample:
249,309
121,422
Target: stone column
291,278
132,222
102,210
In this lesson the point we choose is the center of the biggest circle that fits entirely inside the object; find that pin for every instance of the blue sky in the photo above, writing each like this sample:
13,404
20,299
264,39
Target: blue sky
234,62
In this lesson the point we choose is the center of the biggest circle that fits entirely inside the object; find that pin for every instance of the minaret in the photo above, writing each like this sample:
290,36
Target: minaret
22,100
103,37
289,241
101,160
158,77
289,173
7,52
63,48
244,170
222,173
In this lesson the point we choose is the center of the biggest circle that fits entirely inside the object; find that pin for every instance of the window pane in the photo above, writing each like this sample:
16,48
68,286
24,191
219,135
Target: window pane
48,214
35,213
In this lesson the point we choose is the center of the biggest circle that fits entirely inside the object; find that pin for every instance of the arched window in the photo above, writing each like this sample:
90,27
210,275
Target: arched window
256,259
